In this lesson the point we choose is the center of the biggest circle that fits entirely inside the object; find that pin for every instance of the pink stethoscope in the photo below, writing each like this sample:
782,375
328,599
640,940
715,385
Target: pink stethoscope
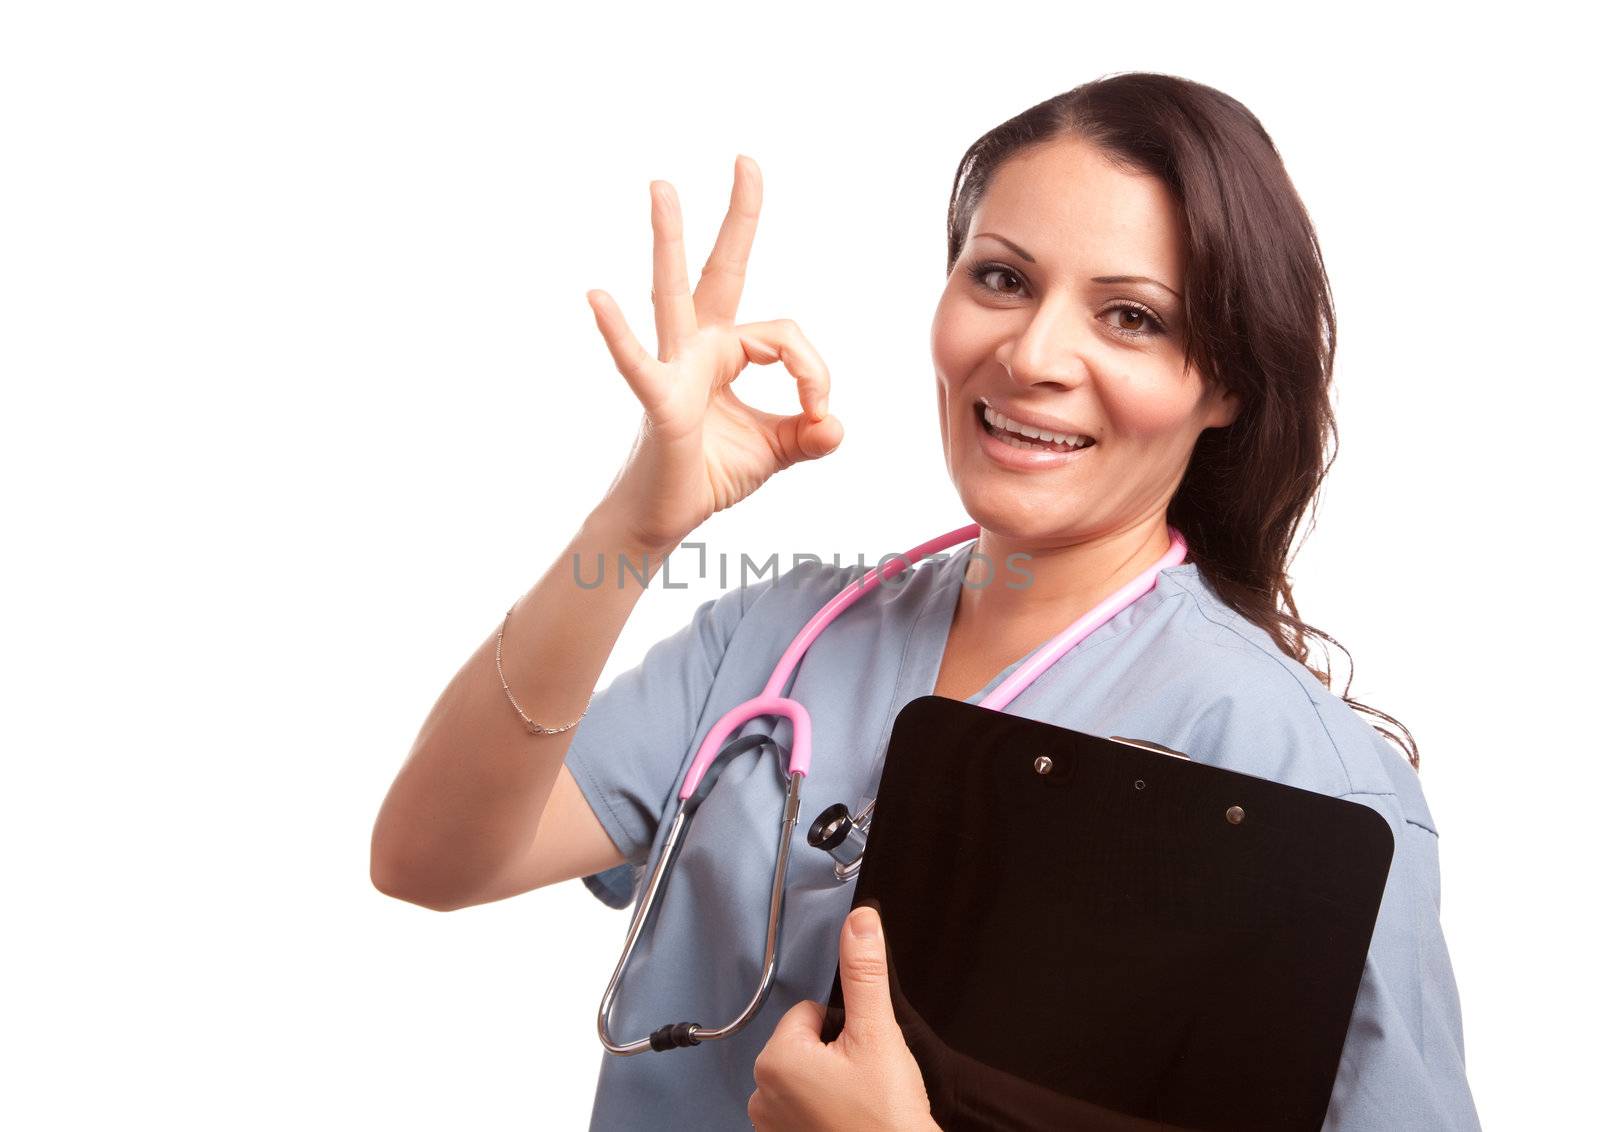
831,829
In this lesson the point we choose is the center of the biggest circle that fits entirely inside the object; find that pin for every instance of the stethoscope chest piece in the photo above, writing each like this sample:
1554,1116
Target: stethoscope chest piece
842,837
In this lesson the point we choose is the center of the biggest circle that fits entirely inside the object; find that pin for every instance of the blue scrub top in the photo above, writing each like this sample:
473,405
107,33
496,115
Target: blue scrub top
1178,667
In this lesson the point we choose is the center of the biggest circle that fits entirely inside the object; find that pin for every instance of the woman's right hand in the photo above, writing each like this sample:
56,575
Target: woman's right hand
699,448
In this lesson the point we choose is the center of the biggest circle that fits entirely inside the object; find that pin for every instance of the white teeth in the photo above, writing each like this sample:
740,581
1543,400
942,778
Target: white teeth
1006,424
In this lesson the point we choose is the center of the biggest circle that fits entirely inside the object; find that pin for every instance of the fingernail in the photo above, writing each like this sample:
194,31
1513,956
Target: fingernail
863,924
822,409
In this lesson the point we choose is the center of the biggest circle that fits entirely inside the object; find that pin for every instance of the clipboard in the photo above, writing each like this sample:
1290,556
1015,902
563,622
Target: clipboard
1094,933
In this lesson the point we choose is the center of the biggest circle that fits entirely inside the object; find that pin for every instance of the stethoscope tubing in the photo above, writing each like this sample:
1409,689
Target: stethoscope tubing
772,703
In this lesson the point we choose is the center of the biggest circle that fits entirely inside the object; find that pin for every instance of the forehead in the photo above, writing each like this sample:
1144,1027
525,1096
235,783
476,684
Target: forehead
1073,209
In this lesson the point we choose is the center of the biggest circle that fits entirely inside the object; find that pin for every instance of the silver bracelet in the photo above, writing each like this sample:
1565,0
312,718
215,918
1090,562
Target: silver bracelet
532,727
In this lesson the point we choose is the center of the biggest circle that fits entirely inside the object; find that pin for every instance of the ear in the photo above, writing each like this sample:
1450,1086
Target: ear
1224,408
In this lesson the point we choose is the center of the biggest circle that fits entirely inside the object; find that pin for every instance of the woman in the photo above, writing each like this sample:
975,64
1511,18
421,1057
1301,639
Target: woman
1130,269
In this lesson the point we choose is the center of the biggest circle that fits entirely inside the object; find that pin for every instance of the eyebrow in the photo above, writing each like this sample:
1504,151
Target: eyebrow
1097,278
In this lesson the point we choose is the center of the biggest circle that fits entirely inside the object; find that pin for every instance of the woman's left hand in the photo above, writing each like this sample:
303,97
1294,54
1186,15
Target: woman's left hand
867,1079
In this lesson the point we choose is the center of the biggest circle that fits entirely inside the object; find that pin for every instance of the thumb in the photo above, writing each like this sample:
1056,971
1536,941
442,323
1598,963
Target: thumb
864,974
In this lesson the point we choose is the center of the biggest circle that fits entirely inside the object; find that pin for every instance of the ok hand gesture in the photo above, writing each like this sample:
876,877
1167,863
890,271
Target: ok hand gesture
699,448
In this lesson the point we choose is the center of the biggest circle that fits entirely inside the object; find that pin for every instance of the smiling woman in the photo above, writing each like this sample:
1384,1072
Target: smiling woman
1135,338
1101,223
1056,318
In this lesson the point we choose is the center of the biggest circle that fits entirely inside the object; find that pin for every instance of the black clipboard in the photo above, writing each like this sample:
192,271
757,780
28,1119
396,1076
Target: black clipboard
1088,934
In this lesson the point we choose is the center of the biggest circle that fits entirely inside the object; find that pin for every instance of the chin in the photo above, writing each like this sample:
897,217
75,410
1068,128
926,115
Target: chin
1008,515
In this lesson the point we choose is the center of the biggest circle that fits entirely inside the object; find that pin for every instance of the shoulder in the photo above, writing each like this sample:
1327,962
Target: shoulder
1266,713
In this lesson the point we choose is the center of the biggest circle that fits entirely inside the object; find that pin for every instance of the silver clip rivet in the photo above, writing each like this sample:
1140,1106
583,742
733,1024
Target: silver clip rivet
1235,814
1042,764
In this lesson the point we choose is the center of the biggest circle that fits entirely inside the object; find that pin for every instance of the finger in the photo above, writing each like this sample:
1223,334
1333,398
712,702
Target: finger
781,339
633,360
673,304
716,297
864,973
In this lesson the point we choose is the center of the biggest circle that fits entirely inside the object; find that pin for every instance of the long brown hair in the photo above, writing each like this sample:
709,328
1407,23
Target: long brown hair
1260,322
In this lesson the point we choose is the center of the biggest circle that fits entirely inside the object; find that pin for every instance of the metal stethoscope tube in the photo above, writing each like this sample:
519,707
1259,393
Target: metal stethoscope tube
679,1034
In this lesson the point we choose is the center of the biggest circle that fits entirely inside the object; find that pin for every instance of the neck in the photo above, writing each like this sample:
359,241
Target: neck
1060,581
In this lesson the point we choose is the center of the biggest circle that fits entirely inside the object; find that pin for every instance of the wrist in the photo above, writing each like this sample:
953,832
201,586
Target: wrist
606,528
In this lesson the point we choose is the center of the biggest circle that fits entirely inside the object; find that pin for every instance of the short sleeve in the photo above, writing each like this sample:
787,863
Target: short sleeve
628,750
1404,1061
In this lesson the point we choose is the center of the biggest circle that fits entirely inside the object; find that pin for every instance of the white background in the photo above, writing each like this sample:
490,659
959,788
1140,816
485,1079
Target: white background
301,391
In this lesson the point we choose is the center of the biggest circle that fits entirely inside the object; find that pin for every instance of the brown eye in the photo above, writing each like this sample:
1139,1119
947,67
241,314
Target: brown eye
982,273
1003,276
1133,321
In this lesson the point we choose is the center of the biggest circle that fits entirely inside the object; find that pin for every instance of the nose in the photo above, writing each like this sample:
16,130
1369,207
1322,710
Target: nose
1050,350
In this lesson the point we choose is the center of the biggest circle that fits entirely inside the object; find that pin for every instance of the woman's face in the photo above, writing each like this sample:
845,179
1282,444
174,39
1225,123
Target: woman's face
1041,322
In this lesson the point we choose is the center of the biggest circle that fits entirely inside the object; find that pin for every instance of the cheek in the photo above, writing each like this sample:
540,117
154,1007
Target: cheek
1150,407
953,339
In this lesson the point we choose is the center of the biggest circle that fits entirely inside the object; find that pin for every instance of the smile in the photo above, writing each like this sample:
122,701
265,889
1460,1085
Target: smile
1010,444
